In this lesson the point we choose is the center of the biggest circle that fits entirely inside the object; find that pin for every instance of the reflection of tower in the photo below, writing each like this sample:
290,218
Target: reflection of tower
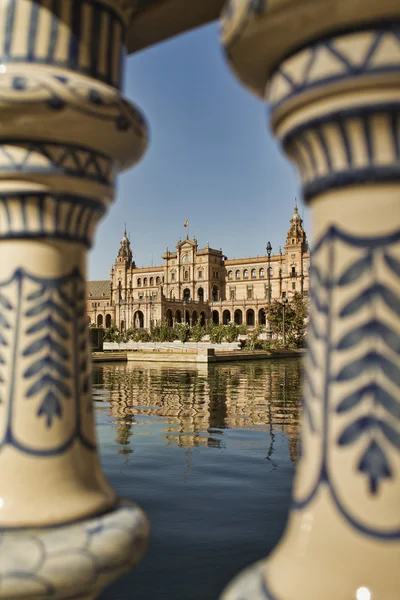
124,432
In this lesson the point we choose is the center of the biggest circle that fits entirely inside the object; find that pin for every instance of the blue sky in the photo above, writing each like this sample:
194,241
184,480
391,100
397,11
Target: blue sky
211,160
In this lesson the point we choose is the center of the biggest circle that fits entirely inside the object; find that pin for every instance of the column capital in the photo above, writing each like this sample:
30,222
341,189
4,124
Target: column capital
258,35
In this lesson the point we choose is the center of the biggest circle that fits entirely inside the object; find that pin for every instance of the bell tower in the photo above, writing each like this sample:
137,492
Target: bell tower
295,248
296,236
124,253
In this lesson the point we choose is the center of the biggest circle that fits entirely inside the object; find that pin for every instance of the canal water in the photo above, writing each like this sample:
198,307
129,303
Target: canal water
209,453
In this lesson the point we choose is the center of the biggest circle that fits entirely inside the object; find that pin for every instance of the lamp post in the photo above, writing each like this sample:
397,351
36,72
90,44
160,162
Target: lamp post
284,303
269,250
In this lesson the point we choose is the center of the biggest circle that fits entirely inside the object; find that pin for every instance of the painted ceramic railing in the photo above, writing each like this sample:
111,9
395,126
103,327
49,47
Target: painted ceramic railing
65,132
330,70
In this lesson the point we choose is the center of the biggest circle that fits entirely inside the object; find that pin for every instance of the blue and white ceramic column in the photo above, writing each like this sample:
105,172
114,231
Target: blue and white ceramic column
65,131
331,72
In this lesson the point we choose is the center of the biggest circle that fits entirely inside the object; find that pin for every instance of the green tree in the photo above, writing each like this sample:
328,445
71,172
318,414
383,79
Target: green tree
253,342
296,312
111,334
183,332
160,332
197,332
231,332
216,333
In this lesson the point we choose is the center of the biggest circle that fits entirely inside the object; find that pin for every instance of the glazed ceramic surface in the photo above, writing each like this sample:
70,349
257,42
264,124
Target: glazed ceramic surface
66,131
336,110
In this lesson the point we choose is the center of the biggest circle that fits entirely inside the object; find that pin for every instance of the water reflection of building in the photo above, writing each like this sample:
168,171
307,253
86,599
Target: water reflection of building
199,402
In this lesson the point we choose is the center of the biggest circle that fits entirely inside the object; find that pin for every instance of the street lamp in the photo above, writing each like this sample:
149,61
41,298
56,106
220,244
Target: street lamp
284,303
269,250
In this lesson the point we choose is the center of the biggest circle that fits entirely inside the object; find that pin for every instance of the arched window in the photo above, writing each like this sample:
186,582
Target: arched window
186,294
215,294
139,282
151,281
237,274
262,272
230,274
145,281
226,317
158,281
200,294
250,318
100,321
108,321
171,294
245,274
253,273
169,318
186,275
271,271
238,317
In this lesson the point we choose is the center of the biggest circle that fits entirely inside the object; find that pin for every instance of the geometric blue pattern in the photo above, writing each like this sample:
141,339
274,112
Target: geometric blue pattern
58,92
374,373
26,156
49,215
348,65
350,173
53,359
91,27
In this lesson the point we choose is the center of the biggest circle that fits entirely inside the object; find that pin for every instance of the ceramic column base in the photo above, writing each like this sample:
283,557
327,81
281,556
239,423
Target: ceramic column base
73,561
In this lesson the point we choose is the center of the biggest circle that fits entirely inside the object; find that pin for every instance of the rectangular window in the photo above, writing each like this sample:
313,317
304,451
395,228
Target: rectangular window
283,294
293,285
172,276
293,271
232,293
249,293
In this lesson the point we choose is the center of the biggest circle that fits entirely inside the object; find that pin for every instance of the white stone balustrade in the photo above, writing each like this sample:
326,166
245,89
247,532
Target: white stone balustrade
66,131
330,70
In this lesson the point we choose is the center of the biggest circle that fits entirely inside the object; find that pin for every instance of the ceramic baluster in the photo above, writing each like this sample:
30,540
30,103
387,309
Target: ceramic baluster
65,132
330,70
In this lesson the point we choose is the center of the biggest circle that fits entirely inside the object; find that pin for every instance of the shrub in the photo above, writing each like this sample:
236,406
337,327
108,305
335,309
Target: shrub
216,333
253,342
182,331
231,332
160,332
197,332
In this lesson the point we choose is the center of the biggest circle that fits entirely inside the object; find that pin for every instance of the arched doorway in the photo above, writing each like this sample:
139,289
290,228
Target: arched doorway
169,318
215,317
202,319
178,316
262,317
200,294
238,317
215,294
108,321
226,317
194,318
250,320
138,320
186,295
99,320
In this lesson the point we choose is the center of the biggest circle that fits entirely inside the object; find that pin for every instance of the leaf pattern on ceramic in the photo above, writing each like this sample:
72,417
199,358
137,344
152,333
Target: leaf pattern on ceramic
379,342
48,333
48,374
5,308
